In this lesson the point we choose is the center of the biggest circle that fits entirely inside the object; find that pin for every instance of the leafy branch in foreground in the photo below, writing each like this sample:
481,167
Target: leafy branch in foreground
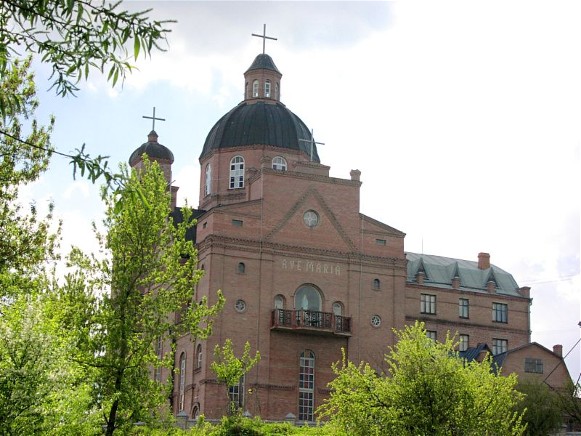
74,37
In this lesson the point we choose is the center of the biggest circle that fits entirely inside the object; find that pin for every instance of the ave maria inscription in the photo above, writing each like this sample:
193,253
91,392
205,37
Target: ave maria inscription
310,266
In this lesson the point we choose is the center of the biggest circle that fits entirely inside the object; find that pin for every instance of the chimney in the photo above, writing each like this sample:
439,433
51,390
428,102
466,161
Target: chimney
558,350
355,175
483,260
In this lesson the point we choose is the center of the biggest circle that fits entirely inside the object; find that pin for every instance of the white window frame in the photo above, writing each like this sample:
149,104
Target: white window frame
267,88
236,395
306,386
237,172
432,334
255,88
208,180
279,163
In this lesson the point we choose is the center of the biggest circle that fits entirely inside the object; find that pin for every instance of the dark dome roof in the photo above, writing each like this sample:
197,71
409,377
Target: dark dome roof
260,123
153,149
263,62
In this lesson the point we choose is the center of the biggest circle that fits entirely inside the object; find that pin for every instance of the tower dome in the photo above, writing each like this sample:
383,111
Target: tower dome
153,149
261,119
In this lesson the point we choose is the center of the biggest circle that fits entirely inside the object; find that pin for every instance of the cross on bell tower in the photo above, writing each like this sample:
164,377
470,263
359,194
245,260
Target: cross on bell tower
264,38
153,118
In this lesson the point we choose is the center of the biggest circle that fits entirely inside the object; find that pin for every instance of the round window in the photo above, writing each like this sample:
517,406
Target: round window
311,218
240,305
375,320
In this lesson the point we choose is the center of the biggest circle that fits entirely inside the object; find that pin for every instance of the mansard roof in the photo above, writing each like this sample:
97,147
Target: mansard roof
441,271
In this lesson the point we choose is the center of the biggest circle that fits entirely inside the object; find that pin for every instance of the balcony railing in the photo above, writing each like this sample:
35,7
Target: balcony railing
311,320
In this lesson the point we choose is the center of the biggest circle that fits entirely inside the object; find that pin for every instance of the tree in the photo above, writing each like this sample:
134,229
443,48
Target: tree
230,369
540,408
74,37
26,240
119,306
428,390
41,390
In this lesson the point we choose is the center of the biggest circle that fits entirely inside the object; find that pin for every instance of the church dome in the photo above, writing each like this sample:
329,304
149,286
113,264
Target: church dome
263,62
260,123
153,149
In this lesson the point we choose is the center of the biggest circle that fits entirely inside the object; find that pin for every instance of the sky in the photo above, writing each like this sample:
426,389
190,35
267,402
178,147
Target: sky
463,118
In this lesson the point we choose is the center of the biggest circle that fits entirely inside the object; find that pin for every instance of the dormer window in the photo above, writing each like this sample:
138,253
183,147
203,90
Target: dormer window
267,89
279,163
255,88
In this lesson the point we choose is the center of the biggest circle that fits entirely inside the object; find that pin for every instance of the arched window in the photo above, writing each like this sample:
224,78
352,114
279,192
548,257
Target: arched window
308,297
376,284
182,383
208,180
246,95
199,356
241,268
306,385
195,411
279,163
267,88
255,88
276,92
279,302
341,323
237,172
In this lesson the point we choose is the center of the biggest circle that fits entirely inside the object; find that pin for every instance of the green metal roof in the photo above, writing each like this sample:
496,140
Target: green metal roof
440,271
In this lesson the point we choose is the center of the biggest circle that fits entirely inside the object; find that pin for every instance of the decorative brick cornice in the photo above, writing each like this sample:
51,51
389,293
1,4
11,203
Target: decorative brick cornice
278,249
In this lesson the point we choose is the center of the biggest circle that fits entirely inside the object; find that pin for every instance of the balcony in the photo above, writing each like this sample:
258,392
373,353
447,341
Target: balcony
311,322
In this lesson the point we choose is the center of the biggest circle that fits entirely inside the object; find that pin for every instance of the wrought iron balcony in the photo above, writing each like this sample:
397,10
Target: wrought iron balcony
310,321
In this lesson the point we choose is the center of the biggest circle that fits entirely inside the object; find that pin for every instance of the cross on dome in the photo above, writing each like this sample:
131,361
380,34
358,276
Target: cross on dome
153,118
264,38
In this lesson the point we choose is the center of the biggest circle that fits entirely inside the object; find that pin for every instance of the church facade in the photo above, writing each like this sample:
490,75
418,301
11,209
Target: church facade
305,274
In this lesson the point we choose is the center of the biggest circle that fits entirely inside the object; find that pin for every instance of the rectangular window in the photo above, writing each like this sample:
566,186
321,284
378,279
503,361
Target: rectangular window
499,346
533,365
464,308
500,312
428,304
380,241
237,223
464,343
236,395
432,334
307,386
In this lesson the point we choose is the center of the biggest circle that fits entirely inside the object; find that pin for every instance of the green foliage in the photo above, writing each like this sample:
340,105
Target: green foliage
570,401
26,241
75,37
228,368
41,391
428,391
119,306
540,407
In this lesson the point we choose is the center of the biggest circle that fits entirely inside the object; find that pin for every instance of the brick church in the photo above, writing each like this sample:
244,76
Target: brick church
305,273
